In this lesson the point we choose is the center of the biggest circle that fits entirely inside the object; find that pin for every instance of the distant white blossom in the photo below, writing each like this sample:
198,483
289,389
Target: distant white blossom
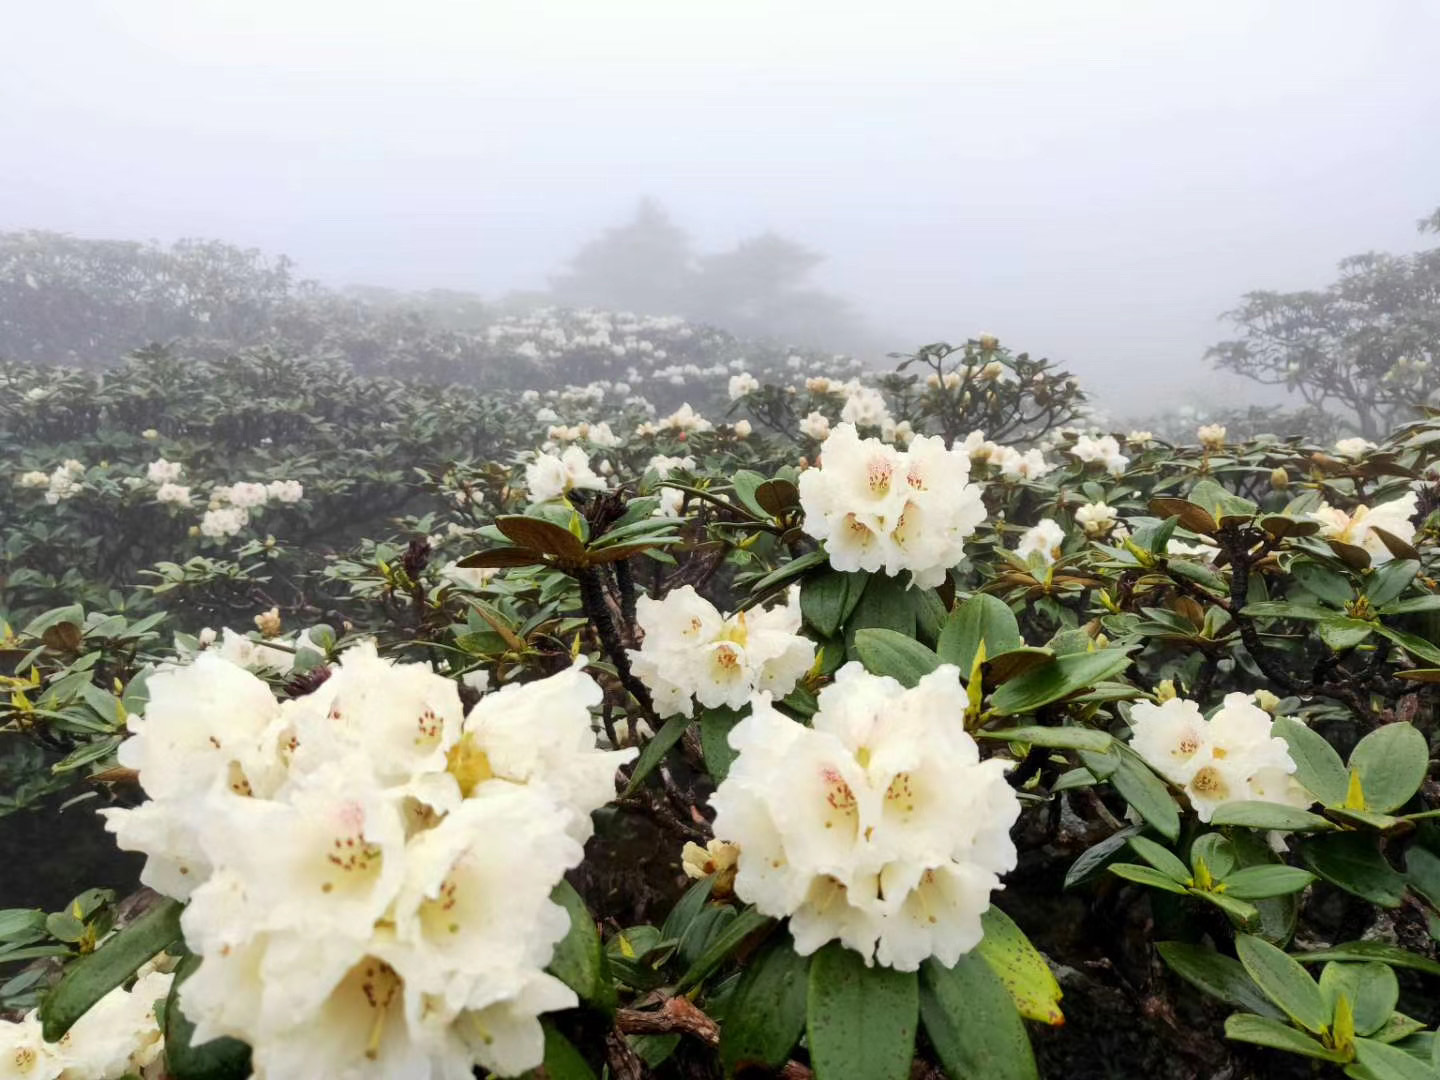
1359,525
1044,538
552,476
1104,450
816,426
164,472
743,384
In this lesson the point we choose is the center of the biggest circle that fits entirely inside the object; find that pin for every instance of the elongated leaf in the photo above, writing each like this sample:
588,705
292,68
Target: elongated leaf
1317,766
579,959
1390,1062
1219,976
655,750
1241,912
1388,581
1353,862
562,1060
1147,875
1161,858
1147,793
1371,989
92,977
1284,982
1262,882
747,924
542,536
1021,968
715,728
885,652
1391,761
1255,814
687,909
764,1018
1372,950
1061,738
828,598
1094,858
884,605
972,1022
1411,643
1061,677
1243,1027
981,618
218,1059
860,1022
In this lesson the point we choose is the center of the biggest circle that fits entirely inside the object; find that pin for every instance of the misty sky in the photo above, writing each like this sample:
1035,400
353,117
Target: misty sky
1092,181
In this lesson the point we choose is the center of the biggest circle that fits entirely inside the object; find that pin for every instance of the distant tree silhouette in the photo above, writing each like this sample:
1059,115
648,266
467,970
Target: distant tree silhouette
643,265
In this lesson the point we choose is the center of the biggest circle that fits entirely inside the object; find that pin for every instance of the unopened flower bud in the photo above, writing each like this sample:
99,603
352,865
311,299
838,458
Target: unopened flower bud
1267,701
1279,478
1165,690
989,342
268,623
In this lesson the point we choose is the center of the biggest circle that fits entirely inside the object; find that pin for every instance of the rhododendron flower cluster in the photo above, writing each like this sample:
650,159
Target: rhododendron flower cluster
879,507
119,1036
691,651
552,476
368,869
1358,527
878,825
162,472
1044,538
1104,450
1231,757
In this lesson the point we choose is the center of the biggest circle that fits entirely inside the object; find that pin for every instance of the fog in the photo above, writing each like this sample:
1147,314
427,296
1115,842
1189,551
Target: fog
1095,182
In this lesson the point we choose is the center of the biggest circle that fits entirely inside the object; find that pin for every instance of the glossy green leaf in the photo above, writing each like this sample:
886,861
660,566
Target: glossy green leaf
1372,950
1147,794
562,1060
1161,858
884,652
1284,982
860,1021
981,618
972,1022
1317,766
1262,882
1057,679
1371,989
1217,975
749,923
1391,761
1391,1063
828,598
654,751
766,1014
1353,862
1255,814
579,959
219,1059
92,977
1059,738
1262,1031
1147,875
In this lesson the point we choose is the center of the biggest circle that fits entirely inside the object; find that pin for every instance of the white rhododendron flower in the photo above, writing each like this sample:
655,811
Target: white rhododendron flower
691,651
743,429
864,406
118,1036
33,479
1231,757
878,825
878,507
285,491
224,522
743,384
1358,527
468,577
24,1053
1097,518
672,503
1104,450
178,494
1013,465
684,419
245,494
1044,538
816,426
664,465
1354,448
1211,436
164,472
368,870
1139,438
552,476
1205,551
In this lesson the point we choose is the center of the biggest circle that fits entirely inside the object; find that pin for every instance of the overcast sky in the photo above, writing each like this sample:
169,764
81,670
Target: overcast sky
1092,181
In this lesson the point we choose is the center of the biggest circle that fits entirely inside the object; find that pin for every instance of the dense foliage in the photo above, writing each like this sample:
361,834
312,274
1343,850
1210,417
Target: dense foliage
750,717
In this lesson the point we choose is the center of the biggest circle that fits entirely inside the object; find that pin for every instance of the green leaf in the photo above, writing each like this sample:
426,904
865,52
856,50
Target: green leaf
828,598
744,926
1263,882
1147,794
1021,968
1429,602
1255,814
715,728
1094,858
1391,761
18,922
92,977
1317,766
884,652
686,909
746,483
1161,858
562,1060
1060,738
860,1022
1219,976
1353,862
1147,875
1371,989
219,1059
1422,870
1262,1031
1341,632
1286,609
655,750
1217,852
1389,580
1411,643
579,960
1391,1063
766,1014
1331,586
1240,911
1284,982
1059,678
972,1022
884,605
1372,950
981,618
